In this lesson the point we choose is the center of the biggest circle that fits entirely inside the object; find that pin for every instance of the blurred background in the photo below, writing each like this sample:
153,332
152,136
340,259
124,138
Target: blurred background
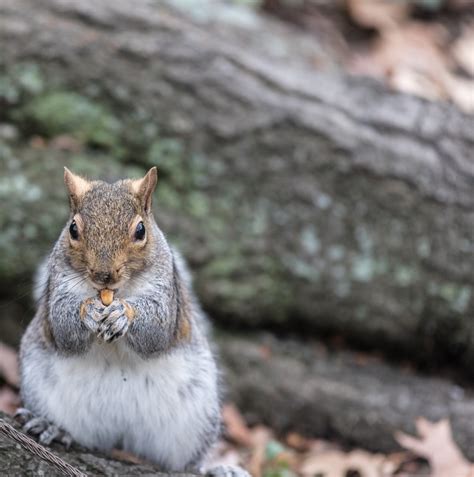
316,168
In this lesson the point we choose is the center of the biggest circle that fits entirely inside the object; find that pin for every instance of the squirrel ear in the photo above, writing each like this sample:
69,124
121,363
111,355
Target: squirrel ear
144,187
77,187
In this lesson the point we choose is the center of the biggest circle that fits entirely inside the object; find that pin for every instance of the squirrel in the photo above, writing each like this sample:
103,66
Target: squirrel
133,370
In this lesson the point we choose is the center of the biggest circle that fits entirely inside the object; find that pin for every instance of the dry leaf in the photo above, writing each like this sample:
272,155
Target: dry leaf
329,464
236,428
298,442
412,59
260,438
378,14
461,92
463,50
9,370
409,81
124,456
436,444
338,464
414,45
9,400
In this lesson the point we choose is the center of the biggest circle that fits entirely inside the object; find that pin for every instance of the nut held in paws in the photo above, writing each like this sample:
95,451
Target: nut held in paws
106,296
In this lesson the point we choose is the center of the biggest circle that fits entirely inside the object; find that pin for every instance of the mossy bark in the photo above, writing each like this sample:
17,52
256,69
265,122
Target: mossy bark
303,200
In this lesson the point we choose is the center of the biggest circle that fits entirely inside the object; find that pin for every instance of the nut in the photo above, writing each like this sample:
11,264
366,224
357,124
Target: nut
106,296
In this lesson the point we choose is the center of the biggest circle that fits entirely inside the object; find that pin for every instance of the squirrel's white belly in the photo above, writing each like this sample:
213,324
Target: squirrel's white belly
159,408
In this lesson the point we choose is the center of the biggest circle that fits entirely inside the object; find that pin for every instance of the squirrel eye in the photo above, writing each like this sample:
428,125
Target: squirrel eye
140,231
73,230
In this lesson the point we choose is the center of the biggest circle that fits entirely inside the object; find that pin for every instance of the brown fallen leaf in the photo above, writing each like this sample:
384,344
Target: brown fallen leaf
9,369
9,400
412,59
338,464
236,428
463,50
260,438
410,81
124,456
378,14
436,445
461,92
298,442
413,45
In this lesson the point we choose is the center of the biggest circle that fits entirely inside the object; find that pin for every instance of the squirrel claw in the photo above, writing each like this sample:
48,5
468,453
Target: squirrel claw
65,439
23,415
35,426
49,435
91,313
115,322
113,328
42,428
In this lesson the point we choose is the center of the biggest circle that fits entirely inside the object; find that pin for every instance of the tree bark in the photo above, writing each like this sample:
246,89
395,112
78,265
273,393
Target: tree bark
305,200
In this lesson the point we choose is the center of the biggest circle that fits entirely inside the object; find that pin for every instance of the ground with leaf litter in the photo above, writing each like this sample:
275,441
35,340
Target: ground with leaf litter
433,452
420,47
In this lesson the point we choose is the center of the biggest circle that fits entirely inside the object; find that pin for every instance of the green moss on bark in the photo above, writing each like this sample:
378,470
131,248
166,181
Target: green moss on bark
57,113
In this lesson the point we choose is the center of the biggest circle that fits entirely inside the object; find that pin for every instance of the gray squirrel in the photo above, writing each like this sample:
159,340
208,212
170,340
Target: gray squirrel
117,355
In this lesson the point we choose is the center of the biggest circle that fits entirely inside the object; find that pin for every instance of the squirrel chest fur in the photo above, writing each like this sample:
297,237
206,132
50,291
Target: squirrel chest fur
136,373
108,398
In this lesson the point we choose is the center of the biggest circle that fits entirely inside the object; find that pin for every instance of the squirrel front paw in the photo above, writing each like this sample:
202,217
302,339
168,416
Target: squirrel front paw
115,320
91,313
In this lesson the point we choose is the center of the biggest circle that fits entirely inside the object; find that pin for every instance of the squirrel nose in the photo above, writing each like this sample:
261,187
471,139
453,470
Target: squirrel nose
102,278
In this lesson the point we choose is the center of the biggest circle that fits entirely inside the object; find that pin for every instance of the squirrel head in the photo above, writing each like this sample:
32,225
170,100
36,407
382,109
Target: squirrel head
111,227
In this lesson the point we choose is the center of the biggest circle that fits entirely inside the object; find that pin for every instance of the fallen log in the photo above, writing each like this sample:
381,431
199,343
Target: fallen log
306,201
356,400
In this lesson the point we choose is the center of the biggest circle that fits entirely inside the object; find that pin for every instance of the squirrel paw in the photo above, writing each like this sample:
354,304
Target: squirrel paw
91,313
42,428
227,471
114,322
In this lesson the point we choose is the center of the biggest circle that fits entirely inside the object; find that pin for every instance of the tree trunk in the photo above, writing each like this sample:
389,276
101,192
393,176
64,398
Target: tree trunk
303,200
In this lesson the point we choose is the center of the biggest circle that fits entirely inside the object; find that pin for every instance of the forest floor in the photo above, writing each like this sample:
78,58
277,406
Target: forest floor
424,48
265,454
